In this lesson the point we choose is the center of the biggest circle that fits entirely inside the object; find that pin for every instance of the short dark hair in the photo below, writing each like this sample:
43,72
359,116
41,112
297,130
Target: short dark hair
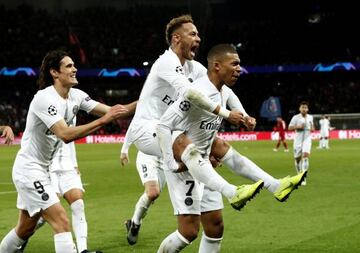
304,103
51,61
220,50
174,24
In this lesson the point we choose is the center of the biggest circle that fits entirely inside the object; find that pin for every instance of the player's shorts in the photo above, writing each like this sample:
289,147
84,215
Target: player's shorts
188,196
324,133
300,148
34,188
282,136
211,200
150,168
185,192
148,142
64,181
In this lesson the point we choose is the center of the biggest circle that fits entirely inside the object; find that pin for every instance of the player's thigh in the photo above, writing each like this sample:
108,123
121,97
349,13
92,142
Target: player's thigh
35,192
306,148
148,142
185,192
67,181
147,167
180,142
219,148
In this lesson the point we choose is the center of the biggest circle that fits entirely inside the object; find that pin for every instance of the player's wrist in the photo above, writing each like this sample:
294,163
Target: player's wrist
223,112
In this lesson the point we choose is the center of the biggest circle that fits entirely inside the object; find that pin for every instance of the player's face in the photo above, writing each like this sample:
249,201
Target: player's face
303,109
189,40
230,69
67,73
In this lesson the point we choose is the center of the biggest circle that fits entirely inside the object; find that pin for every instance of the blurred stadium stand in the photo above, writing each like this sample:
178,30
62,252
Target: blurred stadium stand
113,34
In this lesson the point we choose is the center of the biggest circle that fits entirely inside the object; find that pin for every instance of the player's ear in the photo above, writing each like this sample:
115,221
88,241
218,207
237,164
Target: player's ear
176,38
54,73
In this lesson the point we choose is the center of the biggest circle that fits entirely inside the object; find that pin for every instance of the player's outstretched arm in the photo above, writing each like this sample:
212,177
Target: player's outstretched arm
68,134
101,109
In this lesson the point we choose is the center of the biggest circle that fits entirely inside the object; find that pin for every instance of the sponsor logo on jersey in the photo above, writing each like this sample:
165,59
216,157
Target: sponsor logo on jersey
52,110
212,125
167,100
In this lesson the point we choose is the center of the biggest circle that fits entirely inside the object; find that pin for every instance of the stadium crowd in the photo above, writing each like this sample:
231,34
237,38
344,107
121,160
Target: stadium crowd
128,37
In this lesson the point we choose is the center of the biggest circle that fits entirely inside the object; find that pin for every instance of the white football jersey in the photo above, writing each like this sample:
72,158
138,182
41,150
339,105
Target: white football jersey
199,125
39,144
166,80
324,126
302,135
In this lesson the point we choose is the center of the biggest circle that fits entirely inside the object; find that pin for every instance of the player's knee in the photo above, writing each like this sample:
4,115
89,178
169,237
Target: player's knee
219,148
25,231
191,233
153,193
61,224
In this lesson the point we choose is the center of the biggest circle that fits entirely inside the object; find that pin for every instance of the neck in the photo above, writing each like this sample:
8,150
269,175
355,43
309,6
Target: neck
62,91
215,80
177,51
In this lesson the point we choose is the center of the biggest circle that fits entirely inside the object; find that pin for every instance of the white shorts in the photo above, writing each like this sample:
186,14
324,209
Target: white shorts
188,196
300,148
150,168
324,133
34,188
185,192
211,200
64,181
148,142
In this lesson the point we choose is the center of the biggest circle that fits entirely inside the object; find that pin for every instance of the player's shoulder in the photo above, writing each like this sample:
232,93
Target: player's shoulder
45,94
168,57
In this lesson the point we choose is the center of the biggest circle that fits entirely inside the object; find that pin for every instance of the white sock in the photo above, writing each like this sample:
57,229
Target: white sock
304,164
11,242
64,243
203,171
79,224
326,145
141,208
209,245
242,166
173,243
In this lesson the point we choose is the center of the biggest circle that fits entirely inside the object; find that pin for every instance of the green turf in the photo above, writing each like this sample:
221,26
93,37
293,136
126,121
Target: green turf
323,216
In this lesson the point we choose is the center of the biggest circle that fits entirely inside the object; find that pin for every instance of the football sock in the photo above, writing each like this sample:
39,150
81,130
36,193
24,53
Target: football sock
64,243
11,242
173,243
141,208
79,224
209,245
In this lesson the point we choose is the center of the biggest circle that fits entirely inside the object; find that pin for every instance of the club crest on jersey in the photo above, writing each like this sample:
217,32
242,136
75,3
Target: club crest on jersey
179,70
75,109
52,110
184,106
87,99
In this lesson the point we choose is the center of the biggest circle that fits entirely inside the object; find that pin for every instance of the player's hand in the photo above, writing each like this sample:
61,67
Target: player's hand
215,162
114,112
250,123
8,135
124,159
236,118
182,167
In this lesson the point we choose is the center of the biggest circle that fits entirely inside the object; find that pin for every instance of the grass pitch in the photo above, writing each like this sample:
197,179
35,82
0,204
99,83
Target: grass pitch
323,216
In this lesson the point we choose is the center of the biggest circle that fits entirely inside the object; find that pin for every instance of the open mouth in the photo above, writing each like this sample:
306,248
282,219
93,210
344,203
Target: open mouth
193,50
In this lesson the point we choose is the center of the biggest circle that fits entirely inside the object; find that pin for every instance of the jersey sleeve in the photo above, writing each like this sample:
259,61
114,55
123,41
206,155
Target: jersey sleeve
234,102
292,122
86,103
46,109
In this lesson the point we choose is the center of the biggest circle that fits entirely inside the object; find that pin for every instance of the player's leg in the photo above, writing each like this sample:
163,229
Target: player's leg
202,170
25,228
212,221
326,142
241,165
185,196
153,180
277,145
71,188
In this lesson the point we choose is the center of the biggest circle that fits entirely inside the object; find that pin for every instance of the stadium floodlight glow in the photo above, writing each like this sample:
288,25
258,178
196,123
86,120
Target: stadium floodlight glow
17,71
145,63
119,72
